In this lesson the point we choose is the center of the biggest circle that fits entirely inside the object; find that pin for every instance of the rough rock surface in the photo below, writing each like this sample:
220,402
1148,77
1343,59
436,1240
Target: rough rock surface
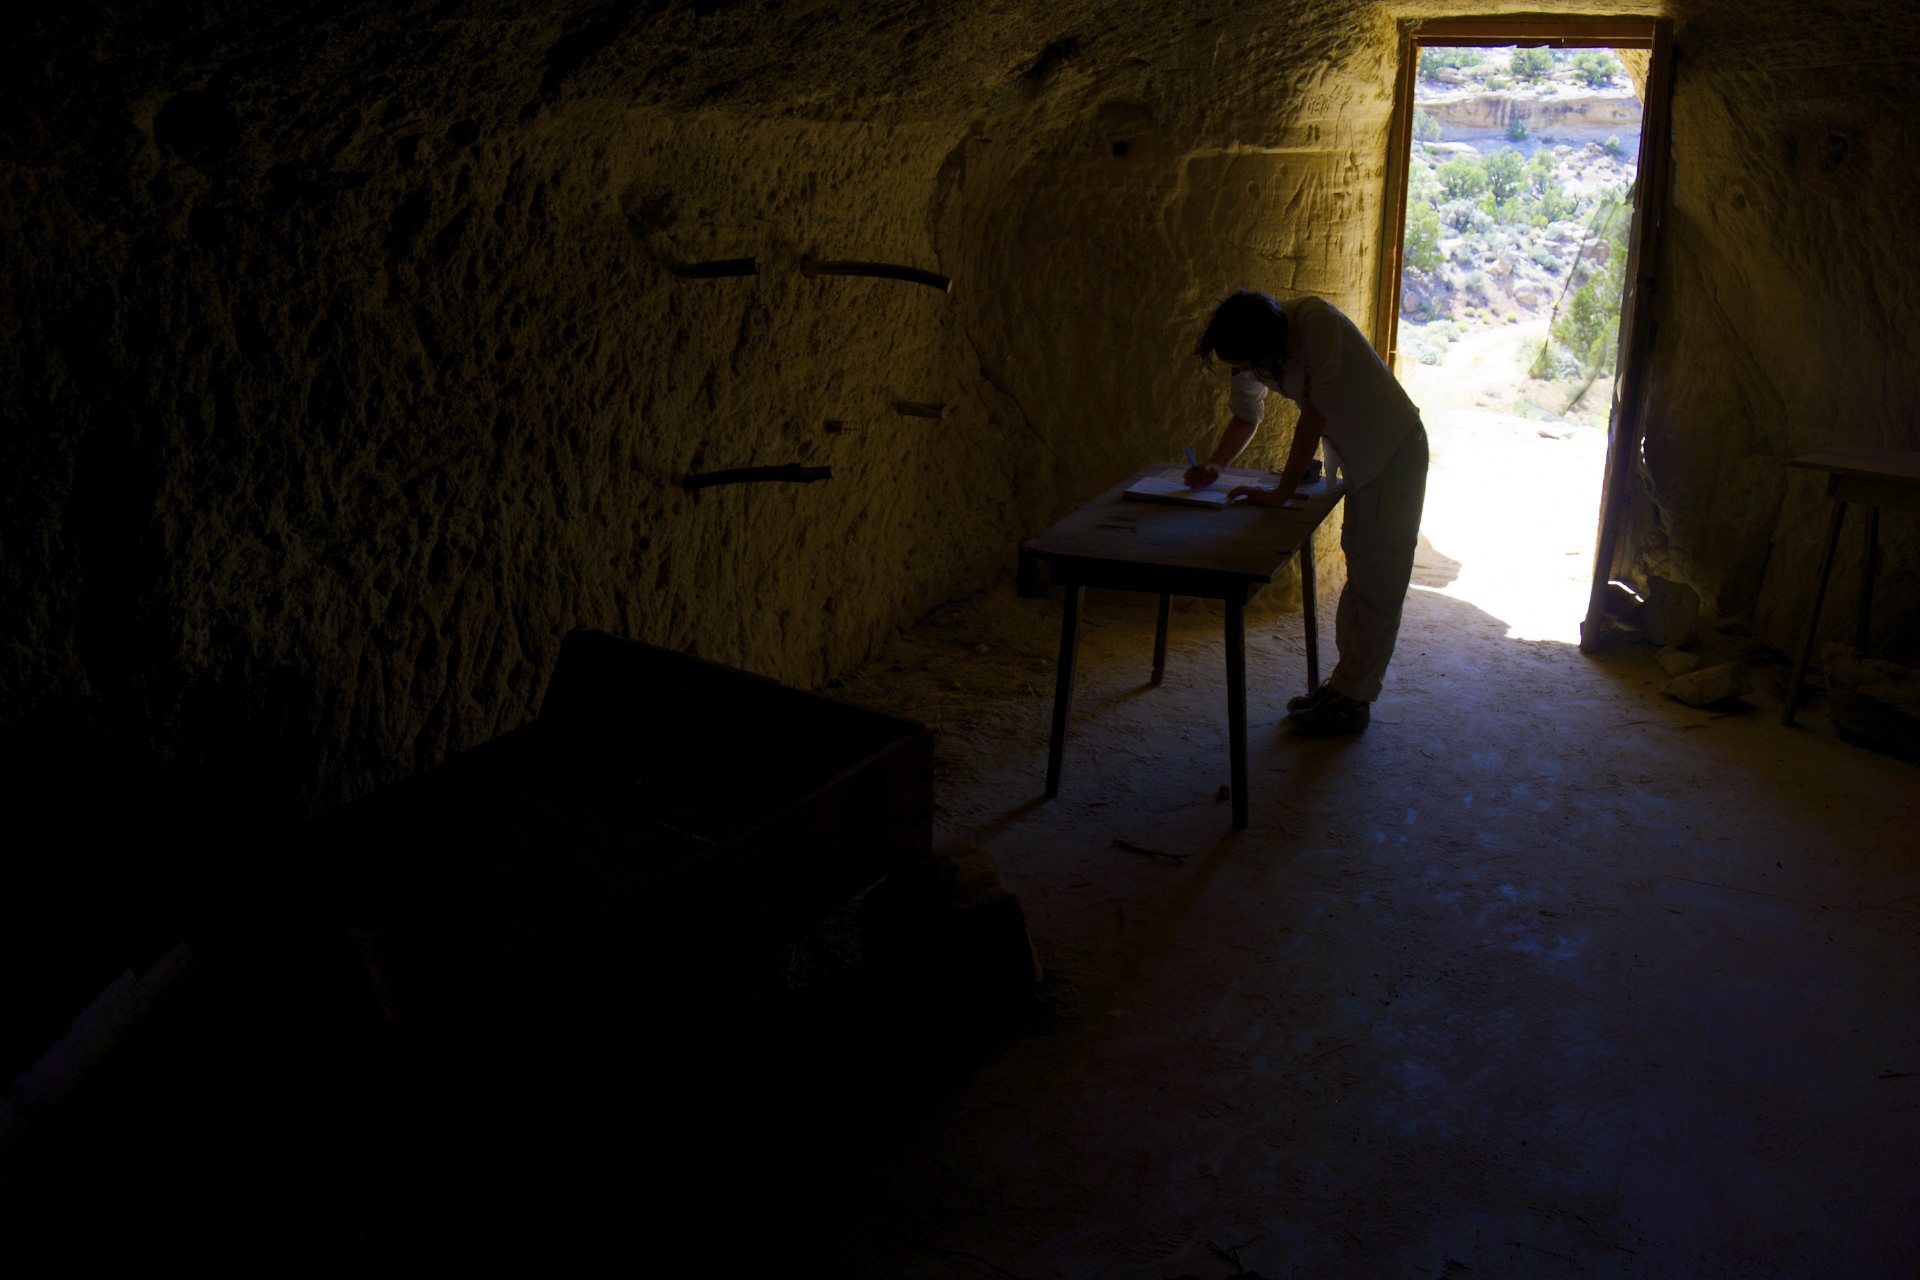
1541,112
1873,701
1677,662
1709,685
1787,192
347,368
1672,612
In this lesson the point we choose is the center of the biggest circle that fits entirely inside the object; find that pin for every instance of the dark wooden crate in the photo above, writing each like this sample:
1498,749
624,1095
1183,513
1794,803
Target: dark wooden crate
664,825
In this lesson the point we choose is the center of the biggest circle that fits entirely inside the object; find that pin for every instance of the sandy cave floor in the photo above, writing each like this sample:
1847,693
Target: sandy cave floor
1544,975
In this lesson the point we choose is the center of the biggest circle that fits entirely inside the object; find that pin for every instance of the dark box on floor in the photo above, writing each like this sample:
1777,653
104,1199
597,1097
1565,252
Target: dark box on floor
663,826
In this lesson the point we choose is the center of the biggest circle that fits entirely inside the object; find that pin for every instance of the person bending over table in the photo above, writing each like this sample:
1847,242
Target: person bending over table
1309,352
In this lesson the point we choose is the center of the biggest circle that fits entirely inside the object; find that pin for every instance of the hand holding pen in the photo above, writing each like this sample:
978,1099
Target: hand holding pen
1199,477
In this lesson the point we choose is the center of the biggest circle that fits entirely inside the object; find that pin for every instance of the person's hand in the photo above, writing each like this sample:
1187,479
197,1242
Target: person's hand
1201,476
1252,496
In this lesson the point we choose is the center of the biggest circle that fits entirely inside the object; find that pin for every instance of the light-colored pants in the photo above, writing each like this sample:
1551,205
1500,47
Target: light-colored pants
1381,531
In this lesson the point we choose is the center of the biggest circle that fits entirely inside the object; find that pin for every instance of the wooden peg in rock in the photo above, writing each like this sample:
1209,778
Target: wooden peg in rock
915,409
878,271
719,268
792,473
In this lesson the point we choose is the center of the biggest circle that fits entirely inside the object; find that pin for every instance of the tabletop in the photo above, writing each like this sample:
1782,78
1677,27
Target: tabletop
1244,543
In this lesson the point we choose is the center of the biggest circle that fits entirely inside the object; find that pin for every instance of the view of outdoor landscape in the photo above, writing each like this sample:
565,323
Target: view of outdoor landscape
1517,221
1517,217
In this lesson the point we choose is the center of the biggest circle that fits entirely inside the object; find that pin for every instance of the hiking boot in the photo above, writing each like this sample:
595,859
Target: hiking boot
1333,716
1308,701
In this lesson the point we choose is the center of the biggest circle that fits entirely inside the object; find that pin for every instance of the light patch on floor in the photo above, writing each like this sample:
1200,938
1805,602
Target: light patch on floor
1542,975
1515,503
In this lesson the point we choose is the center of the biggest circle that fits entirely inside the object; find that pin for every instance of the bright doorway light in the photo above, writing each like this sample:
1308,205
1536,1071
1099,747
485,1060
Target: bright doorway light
1513,260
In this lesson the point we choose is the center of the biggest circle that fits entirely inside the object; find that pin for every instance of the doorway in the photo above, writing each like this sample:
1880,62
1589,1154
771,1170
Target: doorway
1525,178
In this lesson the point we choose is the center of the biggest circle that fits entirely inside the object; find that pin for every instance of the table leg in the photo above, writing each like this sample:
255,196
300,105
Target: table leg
1237,706
1160,638
1813,623
1867,570
1063,687
1313,621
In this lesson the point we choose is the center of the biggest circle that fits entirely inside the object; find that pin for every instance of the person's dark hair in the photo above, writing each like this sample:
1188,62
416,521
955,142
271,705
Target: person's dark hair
1249,325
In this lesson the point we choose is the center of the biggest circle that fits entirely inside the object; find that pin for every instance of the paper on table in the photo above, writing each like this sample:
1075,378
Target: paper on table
1171,486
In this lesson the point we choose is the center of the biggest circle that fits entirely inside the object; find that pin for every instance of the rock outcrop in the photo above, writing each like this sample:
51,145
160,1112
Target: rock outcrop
1560,113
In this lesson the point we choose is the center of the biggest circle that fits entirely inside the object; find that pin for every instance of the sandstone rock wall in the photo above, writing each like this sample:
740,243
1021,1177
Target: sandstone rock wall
1103,238
343,387
346,368
1785,323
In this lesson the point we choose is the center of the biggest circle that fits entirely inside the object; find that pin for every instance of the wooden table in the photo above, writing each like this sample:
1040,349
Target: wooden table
1173,550
1874,477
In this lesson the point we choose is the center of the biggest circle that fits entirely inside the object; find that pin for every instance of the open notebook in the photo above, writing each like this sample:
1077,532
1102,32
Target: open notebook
1169,486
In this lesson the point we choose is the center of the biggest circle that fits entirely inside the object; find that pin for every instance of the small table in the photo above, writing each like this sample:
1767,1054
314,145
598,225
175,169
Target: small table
1875,477
1227,555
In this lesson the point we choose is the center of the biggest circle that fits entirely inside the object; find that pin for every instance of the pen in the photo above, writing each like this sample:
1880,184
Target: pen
1191,460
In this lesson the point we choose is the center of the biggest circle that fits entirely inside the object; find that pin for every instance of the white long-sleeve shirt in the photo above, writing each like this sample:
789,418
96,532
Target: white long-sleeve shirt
1331,364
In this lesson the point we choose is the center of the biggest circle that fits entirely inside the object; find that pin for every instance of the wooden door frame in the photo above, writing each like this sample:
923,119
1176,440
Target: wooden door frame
1624,429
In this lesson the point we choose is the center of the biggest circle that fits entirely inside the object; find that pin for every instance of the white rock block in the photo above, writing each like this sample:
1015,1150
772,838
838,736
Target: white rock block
1701,688
1677,662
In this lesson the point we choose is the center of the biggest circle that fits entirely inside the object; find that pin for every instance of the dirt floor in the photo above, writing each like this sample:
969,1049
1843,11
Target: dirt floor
1544,975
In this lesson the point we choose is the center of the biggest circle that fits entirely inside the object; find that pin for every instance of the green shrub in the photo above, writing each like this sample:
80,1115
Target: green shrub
1596,66
1463,178
1555,204
1428,343
1517,131
1612,146
1587,328
1551,362
1505,174
1423,236
1422,186
1425,127
1532,65
1432,60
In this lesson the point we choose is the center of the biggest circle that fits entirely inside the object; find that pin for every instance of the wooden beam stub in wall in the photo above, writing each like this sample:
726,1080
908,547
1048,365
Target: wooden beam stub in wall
791,473
717,269
878,271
